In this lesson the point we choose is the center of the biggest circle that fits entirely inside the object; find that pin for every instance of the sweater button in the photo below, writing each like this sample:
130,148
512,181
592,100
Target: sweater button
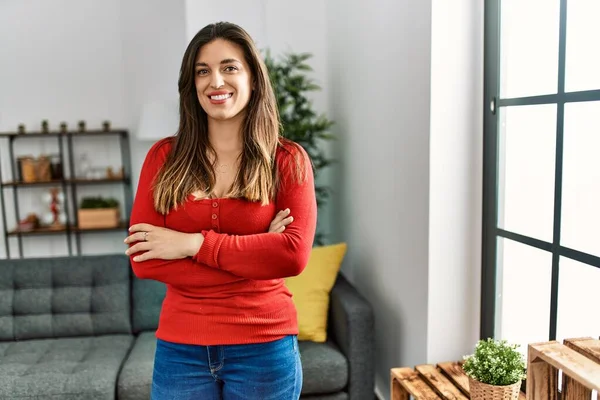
214,216
215,204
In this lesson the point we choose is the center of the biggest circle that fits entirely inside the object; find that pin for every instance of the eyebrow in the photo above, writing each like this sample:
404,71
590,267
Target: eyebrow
225,61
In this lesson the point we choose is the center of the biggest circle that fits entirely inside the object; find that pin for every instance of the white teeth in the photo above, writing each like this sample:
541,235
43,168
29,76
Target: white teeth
221,97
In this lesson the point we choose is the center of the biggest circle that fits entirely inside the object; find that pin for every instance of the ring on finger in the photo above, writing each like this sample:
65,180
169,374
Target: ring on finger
145,236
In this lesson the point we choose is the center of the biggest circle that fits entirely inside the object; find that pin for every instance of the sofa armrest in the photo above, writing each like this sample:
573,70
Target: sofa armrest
351,327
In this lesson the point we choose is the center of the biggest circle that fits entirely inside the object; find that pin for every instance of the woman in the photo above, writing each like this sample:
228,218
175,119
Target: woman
212,219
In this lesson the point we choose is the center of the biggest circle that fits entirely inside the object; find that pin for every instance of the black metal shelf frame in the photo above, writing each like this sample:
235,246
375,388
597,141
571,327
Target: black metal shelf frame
68,185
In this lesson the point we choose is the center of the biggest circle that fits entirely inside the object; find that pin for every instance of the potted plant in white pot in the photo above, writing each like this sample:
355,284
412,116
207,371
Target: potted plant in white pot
495,370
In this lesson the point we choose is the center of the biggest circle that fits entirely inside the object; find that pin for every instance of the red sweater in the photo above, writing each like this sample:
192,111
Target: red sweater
232,291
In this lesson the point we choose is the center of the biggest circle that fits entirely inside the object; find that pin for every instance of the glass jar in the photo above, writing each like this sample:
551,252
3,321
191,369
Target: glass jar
56,167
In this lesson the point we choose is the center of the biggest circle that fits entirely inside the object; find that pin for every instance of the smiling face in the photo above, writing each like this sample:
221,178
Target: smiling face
223,80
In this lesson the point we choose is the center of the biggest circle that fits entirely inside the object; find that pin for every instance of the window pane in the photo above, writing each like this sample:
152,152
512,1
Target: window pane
582,59
578,300
529,47
581,177
523,284
526,170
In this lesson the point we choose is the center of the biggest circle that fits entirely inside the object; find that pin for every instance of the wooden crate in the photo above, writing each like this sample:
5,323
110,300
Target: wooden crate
579,361
431,382
97,218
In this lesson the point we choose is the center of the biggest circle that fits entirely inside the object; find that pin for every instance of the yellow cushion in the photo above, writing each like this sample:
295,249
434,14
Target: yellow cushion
311,290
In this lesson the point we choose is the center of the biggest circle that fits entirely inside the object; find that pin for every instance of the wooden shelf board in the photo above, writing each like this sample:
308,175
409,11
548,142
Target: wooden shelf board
67,181
92,181
38,134
40,183
50,231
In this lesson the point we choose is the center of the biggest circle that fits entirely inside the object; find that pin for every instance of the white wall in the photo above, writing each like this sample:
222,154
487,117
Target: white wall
70,60
61,61
406,92
380,97
455,181
153,40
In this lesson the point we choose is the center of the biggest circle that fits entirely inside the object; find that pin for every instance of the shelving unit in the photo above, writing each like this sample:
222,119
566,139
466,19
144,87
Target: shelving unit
68,184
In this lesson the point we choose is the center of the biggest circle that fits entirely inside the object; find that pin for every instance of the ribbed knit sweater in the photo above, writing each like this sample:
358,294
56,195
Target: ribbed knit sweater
232,291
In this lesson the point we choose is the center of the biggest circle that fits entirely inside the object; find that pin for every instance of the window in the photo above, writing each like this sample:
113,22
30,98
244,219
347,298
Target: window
541,237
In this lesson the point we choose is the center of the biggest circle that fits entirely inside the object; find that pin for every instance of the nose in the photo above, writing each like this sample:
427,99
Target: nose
217,81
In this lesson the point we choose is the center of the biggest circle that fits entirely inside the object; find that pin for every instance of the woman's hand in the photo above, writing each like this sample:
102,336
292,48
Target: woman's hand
162,243
280,221
167,244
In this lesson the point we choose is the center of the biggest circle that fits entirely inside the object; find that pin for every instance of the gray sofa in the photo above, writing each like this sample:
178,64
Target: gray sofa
83,328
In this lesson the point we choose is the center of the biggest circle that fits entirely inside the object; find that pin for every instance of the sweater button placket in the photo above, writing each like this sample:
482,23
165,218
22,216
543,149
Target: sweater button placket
215,215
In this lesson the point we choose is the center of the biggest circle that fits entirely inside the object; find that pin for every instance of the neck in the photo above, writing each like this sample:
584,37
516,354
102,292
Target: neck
225,136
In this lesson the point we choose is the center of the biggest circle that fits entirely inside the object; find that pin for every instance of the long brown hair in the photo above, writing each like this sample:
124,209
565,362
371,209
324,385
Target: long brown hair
188,168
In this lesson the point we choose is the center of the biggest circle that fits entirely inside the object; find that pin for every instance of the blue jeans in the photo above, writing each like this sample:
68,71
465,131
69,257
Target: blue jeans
261,371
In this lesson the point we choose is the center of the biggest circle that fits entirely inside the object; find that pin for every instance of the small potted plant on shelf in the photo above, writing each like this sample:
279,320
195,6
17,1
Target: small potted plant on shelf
495,370
98,212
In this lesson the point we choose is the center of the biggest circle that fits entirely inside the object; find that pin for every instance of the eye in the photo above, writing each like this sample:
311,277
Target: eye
230,68
202,72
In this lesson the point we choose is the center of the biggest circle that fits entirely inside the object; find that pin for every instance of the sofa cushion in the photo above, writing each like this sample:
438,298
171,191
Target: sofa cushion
324,367
64,296
135,378
69,368
336,396
147,301
311,290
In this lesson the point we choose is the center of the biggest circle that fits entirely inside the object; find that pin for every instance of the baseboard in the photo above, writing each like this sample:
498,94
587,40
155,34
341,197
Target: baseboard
378,394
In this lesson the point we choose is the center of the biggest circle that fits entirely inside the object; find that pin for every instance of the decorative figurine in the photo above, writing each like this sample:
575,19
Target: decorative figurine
106,125
63,127
55,217
45,126
21,129
81,126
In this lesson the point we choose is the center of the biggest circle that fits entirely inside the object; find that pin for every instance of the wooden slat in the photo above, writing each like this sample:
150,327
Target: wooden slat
569,361
571,389
455,373
442,385
542,380
412,383
588,347
397,391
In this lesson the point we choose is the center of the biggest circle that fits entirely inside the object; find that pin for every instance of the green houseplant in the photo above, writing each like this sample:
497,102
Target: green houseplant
299,121
98,202
98,213
495,370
